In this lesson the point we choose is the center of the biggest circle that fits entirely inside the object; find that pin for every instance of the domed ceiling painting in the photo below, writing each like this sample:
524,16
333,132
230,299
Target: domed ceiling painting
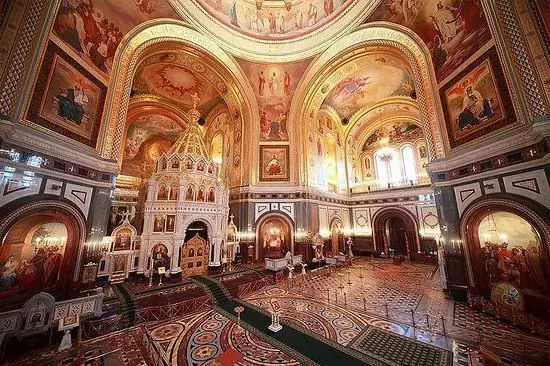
274,19
453,30
381,77
147,137
176,78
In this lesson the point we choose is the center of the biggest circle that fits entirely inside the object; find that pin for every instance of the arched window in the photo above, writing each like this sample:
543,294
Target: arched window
409,163
388,166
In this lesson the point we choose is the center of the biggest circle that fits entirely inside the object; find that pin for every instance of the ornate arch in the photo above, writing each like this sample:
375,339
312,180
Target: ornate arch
133,48
308,99
530,211
271,215
209,225
408,218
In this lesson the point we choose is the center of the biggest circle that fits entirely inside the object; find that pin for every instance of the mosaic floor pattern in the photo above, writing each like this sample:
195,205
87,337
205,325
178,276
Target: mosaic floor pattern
329,321
207,338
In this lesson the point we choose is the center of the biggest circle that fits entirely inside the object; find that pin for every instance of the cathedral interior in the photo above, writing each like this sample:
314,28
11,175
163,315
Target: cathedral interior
275,182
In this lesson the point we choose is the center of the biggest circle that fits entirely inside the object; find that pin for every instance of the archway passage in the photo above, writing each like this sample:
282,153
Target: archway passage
39,253
274,238
395,234
196,228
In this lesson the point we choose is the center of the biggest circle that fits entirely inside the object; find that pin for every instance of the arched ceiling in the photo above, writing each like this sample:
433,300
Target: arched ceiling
176,76
367,80
274,30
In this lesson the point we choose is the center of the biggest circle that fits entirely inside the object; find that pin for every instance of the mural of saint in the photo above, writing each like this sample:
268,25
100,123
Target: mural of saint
162,193
190,193
174,191
287,83
261,83
512,256
123,239
200,194
273,166
170,223
36,264
453,30
211,195
160,257
274,236
158,224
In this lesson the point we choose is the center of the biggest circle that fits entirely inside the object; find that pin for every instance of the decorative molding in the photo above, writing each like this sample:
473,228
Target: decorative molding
261,209
79,195
533,185
465,195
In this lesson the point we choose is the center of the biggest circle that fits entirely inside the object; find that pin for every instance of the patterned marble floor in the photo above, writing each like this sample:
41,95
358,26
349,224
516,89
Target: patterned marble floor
209,338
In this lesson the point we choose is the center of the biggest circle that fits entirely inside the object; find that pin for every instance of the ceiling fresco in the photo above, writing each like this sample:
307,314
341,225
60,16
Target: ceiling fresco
273,19
147,137
453,30
165,76
393,134
381,77
94,29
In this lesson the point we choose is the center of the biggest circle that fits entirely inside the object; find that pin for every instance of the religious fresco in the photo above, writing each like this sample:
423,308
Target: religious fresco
512,255
67,98
123,239
274,87
176,83
274,19
94,29
160,257
393,134
476,101
274,164
33,264
383,78
147,137
453,30
274,237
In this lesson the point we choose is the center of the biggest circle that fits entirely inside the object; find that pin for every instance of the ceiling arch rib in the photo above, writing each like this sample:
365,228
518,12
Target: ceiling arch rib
310,94
152,36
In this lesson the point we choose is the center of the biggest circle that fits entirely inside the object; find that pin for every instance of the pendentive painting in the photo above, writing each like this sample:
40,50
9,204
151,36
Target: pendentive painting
94,29
274,166
274,86
67,99
453,30
476,102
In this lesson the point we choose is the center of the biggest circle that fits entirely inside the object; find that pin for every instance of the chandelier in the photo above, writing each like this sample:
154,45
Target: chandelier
493,237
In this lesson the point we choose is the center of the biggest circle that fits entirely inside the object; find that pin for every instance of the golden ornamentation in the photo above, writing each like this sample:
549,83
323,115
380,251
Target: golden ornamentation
309,95
134,48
